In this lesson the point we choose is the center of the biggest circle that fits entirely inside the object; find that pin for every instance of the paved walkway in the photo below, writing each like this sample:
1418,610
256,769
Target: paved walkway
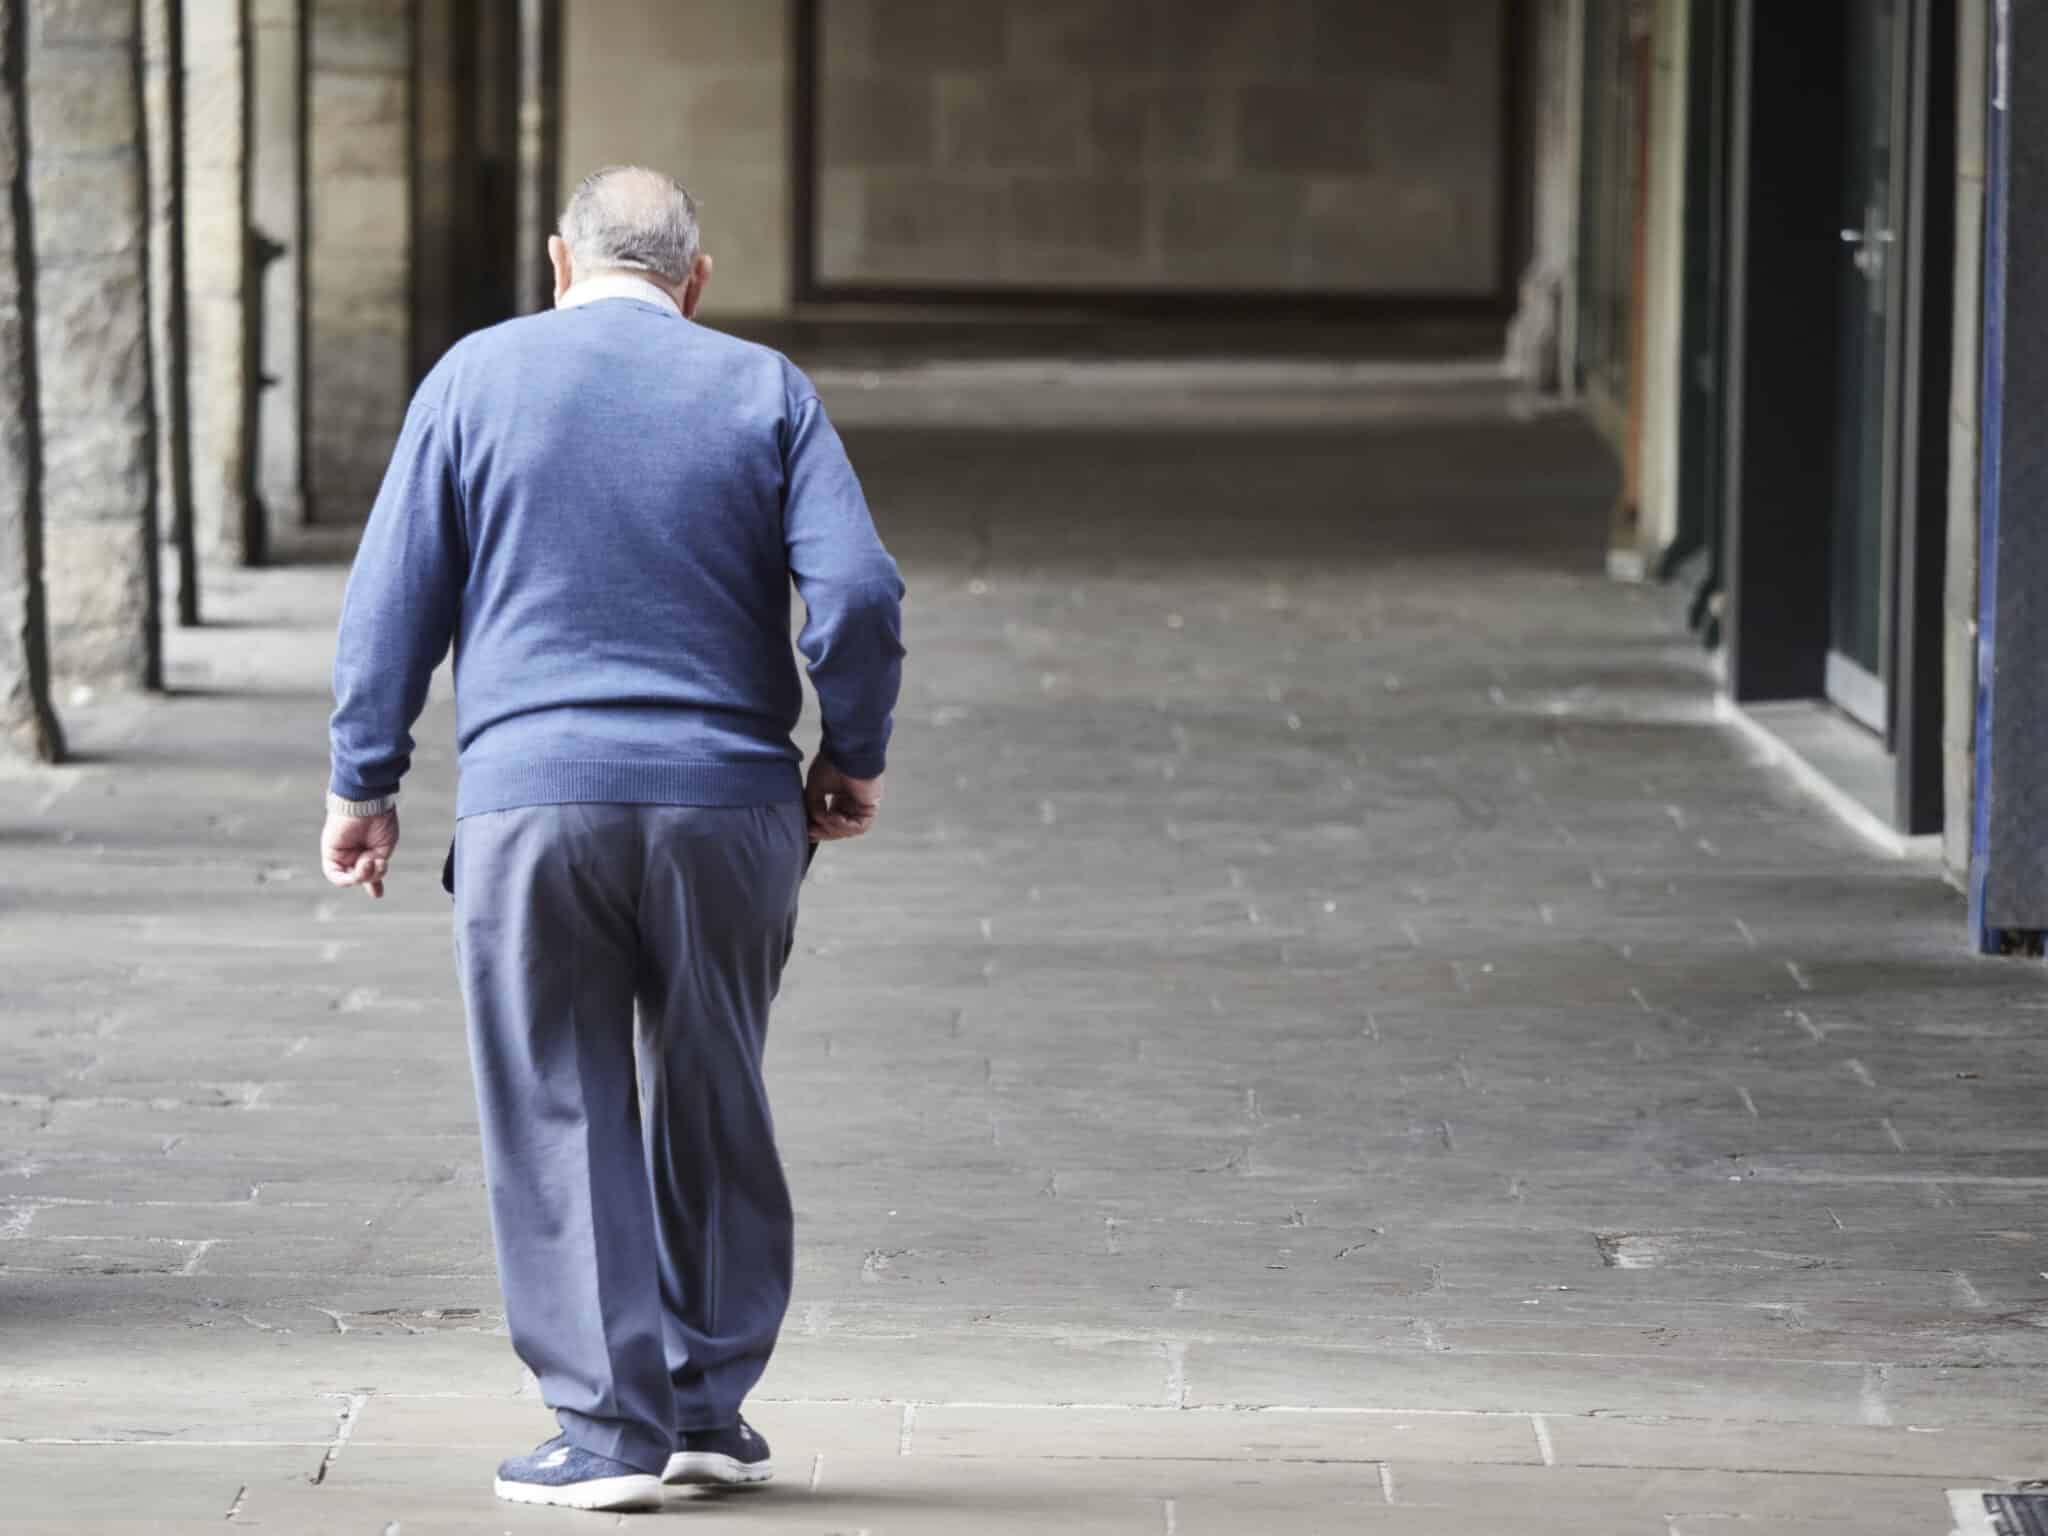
1334,1036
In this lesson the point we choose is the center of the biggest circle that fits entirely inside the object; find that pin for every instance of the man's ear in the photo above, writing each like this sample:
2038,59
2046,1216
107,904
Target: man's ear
558,258
693,291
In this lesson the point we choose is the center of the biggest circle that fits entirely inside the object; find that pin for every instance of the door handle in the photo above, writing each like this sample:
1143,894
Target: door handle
1870,243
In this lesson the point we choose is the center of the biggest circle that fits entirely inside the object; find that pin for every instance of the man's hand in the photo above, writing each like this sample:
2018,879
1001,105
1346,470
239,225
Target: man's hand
356,850
837,805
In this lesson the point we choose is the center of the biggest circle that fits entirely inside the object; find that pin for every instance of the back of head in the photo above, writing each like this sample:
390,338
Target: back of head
626,218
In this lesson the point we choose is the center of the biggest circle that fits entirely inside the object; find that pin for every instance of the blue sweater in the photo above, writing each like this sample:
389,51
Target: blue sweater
603,508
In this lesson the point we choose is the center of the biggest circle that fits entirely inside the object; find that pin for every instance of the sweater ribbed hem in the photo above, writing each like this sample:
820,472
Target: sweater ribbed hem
500,786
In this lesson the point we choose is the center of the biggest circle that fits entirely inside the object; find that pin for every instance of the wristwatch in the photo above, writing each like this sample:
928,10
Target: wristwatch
337,806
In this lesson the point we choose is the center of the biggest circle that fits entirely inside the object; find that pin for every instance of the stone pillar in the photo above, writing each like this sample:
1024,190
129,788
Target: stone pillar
277,208
163,77
86,180
540,150
220,280
1540,335
359,117
28,726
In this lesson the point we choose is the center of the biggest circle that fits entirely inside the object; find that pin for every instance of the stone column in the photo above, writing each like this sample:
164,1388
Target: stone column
277,206
86,181
163,95
540,150
359,115
28,726
220,280
1540,335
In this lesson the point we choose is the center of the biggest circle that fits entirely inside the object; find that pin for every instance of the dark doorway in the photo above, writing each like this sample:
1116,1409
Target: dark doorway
1863,542
1834,439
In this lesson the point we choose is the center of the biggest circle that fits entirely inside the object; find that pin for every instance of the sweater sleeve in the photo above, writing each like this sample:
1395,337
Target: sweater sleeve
852,631
399,615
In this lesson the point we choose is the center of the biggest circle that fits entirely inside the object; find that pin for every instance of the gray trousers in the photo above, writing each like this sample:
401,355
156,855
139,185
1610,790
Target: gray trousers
642,1224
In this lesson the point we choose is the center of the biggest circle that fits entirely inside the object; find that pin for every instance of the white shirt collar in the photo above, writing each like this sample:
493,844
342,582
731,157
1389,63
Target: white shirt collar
618,285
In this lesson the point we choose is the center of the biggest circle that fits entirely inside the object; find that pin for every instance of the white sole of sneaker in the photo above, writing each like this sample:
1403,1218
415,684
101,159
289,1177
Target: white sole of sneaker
703,1468
640,1491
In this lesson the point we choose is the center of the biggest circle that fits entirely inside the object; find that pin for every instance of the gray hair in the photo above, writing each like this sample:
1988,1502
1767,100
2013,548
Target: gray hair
626,217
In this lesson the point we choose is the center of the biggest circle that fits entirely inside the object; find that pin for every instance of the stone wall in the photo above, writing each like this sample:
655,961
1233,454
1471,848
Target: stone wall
359,318
1287,145
92,335
706,102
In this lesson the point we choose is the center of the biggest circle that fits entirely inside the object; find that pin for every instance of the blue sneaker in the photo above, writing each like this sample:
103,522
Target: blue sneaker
727,1458
556,1472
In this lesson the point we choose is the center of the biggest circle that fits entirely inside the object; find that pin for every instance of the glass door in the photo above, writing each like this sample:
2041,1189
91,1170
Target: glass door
1860,638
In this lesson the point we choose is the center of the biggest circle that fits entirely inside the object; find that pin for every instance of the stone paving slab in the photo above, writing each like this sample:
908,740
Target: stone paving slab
1886,1502
1990,1396
216,1345
95,1487
1958,1455
1677,1334
1900,1523
142,1412
915,1367
1003,1433
1786,1391
1153,1496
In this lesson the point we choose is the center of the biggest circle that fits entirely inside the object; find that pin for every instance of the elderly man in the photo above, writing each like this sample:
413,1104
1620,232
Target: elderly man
603,507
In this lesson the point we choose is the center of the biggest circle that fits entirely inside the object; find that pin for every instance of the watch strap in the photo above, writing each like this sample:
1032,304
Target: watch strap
337,806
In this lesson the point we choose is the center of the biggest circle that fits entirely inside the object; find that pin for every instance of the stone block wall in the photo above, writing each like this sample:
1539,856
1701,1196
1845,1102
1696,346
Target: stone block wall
1280,145
359,313
705,100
